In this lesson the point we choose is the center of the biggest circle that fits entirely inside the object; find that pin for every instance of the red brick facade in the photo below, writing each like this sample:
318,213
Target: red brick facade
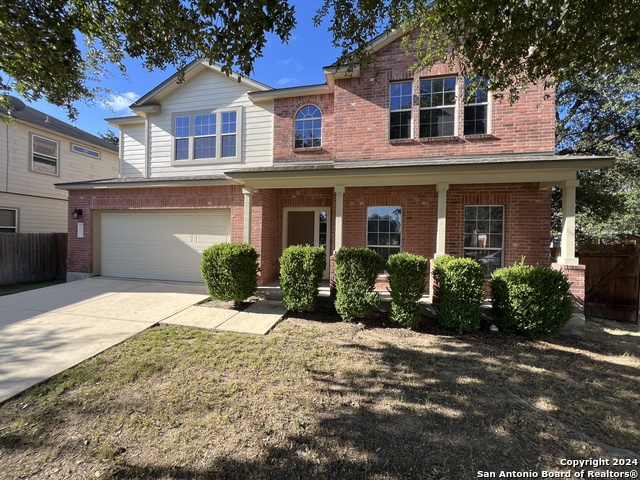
355,122
355,127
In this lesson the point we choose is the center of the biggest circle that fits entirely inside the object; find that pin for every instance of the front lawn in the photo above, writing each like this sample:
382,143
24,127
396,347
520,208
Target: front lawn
325,399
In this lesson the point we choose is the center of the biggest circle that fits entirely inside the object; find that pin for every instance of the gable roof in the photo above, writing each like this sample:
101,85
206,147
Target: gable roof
191,70
44,121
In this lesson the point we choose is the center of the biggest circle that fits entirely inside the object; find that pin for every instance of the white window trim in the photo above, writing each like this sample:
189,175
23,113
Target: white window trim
17,225
455,106
295,126
401,246
73,149
488,104
504,222
410,110
32,137
218,159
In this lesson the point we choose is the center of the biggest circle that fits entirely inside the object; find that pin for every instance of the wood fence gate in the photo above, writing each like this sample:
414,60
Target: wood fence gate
612,283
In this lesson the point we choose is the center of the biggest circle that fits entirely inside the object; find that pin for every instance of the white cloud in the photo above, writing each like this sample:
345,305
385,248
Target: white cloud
286,81
120,102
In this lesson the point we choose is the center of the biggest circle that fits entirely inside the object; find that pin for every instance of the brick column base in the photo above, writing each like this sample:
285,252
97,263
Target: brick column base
576,274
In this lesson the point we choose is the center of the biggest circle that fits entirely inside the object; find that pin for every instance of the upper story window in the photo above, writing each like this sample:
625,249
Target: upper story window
400,107
476,107
85,151
437,107
8,220
44,155
206,136
308,127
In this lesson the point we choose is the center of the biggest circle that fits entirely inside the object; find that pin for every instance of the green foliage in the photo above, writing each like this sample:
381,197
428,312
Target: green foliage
230,271
533,300
511,42
356,273
459,292
301,269
407,282
42,59
110,136
599,116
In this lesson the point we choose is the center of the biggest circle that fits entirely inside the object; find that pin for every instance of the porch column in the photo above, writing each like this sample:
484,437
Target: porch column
339,212
568,241
248,204
441,232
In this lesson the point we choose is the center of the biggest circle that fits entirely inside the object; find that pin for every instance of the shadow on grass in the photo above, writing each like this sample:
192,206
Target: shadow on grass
386,403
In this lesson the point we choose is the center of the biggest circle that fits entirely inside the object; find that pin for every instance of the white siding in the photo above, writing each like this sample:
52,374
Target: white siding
37,215
133,155
211,90
42,207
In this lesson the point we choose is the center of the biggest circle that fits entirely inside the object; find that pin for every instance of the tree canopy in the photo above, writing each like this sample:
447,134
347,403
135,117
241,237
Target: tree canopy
56,48
601,116
511,42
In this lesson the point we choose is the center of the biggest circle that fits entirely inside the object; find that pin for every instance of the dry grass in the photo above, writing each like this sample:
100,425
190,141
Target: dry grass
318,398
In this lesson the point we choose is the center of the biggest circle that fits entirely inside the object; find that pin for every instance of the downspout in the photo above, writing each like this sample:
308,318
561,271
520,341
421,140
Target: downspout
120,151
6,187
147,153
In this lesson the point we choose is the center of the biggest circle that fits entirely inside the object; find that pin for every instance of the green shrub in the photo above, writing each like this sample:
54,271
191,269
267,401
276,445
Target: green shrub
458,292
356,273
230,271
407,281
533,300
301,269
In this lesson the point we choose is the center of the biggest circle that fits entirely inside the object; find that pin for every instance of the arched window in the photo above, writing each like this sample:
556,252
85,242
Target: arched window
308,127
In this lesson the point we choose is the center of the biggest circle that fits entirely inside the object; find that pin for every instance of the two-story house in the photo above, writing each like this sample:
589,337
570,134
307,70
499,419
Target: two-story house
36,152
383,158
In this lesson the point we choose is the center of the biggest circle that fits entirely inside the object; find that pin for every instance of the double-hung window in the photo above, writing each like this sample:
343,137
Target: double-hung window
384,231
400,107
484,235
44,155
437,107
8,220
206,136
476,106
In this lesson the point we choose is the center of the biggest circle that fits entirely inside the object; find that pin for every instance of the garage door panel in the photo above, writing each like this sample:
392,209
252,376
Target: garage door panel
159,244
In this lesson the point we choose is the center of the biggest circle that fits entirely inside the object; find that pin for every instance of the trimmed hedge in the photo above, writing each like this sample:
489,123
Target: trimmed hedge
301,269
356,273
230,271
533,300
458,292
407,282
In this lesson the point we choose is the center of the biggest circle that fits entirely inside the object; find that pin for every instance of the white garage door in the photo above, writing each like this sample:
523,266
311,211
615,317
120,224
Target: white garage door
160,245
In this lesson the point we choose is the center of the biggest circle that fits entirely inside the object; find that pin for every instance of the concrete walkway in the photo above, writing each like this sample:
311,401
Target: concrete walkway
45,331
257,319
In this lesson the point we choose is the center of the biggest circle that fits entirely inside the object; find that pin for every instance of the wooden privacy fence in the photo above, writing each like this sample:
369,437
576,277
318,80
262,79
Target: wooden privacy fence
32,257
612,283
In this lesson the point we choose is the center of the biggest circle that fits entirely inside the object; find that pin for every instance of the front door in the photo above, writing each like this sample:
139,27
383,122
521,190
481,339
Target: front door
307,226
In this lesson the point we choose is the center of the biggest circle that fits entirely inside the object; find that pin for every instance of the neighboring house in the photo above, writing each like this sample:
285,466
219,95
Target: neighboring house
37,151
393,161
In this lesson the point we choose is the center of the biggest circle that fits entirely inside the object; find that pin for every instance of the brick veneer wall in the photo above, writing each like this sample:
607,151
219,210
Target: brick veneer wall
576,274
356,127
81,250
527,217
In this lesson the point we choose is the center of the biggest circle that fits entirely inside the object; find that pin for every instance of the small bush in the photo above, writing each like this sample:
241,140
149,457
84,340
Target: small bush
407,282
356,273
230,271
533,300
458,292
301,269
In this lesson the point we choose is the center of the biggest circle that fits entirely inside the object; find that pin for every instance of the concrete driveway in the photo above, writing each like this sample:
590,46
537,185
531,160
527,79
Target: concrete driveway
46,331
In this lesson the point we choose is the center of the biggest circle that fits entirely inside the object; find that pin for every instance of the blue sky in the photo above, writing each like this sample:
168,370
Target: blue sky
299,62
